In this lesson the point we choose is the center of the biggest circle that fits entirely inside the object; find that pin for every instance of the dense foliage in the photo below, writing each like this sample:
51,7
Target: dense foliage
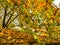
39,17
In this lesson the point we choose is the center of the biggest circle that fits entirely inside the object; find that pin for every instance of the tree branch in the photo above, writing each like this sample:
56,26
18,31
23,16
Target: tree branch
11,21
3,25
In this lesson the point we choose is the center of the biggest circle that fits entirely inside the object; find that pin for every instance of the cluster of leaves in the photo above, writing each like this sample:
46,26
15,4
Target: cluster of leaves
10,36
39,17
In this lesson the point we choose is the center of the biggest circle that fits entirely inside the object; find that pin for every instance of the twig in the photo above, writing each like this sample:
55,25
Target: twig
9,19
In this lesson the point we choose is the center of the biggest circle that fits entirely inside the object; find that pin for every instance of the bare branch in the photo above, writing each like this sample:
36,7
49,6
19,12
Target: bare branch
3,25
11,21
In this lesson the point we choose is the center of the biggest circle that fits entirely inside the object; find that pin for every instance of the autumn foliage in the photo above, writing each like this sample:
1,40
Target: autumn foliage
12,2
39,17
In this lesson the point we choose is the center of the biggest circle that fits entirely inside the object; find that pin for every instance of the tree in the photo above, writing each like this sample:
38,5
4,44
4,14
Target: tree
9,13
41,17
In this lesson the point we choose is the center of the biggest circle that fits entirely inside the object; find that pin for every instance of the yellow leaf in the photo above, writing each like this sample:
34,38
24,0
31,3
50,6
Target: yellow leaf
12,2
44,34
9,1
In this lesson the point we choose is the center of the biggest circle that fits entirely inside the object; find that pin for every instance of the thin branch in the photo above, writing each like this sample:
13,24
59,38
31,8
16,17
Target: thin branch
3,25
9,17
8,13
11,21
